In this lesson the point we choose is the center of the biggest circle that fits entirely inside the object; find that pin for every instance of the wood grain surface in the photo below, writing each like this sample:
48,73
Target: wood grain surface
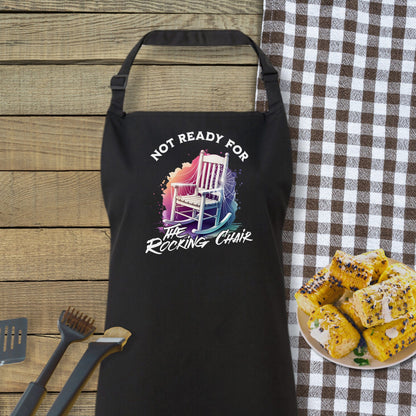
108,38
46,254
82,89
136,6
85,404
56,61
42,302
50,142
52,199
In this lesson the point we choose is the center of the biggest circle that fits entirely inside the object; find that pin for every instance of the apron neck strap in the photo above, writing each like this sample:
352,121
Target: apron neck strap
195,38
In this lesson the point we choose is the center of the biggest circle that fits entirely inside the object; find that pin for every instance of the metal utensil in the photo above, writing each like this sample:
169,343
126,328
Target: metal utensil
13,336
73,326
113,340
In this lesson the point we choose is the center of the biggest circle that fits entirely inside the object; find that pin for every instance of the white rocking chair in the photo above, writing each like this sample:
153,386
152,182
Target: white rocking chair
208,194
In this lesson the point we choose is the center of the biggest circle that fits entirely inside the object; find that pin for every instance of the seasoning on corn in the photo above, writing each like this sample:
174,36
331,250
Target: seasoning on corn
377,259
333,331
384,302
384,341
397,269
317,291
351,273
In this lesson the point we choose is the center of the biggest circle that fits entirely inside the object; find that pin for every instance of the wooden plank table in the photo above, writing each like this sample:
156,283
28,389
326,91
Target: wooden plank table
56,61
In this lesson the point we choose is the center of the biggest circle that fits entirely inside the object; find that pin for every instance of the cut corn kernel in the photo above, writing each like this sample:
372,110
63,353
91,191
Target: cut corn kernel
317,291
347,308
384,302
397,269
333,331
351,273
377,259
384,341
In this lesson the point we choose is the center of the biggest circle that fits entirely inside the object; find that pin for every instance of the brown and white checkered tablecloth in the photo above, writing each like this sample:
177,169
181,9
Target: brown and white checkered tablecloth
348,81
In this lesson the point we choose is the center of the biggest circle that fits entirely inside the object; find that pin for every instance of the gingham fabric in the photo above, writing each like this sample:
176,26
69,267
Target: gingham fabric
348,81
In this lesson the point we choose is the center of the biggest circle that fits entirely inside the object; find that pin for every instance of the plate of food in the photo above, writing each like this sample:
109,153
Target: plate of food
360,311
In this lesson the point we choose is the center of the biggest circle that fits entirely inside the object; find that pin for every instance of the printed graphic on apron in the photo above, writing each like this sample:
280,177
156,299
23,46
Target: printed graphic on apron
199,201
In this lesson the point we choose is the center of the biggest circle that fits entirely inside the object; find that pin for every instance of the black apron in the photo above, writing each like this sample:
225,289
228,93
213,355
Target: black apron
196,203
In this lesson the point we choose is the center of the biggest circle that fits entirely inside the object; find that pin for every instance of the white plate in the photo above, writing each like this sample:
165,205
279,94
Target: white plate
348,360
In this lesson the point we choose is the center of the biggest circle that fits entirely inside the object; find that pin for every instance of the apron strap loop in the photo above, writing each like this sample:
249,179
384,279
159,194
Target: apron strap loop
209,37
116,85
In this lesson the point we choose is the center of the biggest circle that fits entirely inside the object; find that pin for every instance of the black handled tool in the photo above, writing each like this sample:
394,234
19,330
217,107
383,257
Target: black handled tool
113,340
13,335
73,326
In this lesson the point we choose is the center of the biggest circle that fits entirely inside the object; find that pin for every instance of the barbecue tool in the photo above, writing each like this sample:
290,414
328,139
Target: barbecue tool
73,326
13,336
113,340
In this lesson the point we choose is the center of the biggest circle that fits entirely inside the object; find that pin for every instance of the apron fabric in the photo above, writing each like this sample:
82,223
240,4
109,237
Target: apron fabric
196,203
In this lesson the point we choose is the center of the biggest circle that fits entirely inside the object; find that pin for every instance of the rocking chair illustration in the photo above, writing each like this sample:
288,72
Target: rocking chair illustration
208,194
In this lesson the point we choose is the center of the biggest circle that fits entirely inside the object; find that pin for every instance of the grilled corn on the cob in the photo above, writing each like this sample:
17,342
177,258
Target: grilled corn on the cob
347,308
333,331
351,273
317,291
384,341
377,259
384,302
397,269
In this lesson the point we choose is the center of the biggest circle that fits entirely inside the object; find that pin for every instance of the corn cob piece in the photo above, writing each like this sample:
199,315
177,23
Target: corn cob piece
351,273
384,302
333,331
317,291
384,341
377,259
347,308
397,269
